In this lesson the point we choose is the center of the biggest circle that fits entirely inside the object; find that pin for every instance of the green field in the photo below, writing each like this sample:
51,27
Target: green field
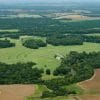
42,56
9,30
95,34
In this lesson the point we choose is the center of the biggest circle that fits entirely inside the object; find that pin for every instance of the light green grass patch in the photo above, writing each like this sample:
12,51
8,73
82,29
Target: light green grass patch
93,34
42,56
9,30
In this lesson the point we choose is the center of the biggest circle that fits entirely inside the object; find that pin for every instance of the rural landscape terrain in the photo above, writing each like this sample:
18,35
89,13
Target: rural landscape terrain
50,51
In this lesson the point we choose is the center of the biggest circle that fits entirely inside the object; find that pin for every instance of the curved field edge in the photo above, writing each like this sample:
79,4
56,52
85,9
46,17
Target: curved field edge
16,91
91,87
40,88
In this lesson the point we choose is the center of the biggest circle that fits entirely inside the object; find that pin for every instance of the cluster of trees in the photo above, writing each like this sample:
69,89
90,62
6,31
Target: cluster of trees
20,73
13,35
64,40
75,39
95,39
34,43
75,67
59,91
79,64
6,43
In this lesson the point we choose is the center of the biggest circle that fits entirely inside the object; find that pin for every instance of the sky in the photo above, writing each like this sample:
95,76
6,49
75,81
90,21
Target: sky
44,1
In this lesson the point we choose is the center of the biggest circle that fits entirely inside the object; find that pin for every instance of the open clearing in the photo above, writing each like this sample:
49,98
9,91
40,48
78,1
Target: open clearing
74,16
92,87
94,34
9,30
15,92
42,56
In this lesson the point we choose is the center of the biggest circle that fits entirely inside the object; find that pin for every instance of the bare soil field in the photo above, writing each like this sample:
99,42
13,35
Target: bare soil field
90,97
16,92
92,87
74,17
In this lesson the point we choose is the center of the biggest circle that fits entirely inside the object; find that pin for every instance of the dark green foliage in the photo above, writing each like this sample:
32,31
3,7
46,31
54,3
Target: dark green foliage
13,35
59,91
75,67
65,40
47,26
20,73
34,43
95,39
79,65
48,72
6,43
47,94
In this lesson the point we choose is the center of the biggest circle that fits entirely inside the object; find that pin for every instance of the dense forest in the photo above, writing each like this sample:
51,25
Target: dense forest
75,39
47,26
20,73
65,40
33,43
6,43
75,67
94,39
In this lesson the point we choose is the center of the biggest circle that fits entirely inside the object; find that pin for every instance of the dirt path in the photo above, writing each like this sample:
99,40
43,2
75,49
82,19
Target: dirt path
16,92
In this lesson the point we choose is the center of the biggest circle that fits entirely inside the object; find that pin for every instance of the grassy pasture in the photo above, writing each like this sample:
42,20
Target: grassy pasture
44,57
9,30
94,34
23,16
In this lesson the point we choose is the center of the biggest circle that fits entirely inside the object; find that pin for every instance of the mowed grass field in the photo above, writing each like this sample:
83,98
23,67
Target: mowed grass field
43,56
9,30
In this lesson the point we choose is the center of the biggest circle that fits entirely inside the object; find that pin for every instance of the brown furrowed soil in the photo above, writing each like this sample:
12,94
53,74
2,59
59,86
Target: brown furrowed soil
90,97
91,87
16,92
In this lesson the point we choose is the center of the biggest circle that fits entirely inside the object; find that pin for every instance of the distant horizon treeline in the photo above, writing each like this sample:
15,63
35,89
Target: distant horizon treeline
48,26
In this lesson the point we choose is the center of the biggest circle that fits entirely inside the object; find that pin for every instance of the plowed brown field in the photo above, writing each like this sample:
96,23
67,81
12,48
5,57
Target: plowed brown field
15,92
92,87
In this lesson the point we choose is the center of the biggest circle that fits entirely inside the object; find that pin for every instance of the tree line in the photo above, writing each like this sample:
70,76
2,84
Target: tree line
20,73
33,43
57,40
6,43
48,26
